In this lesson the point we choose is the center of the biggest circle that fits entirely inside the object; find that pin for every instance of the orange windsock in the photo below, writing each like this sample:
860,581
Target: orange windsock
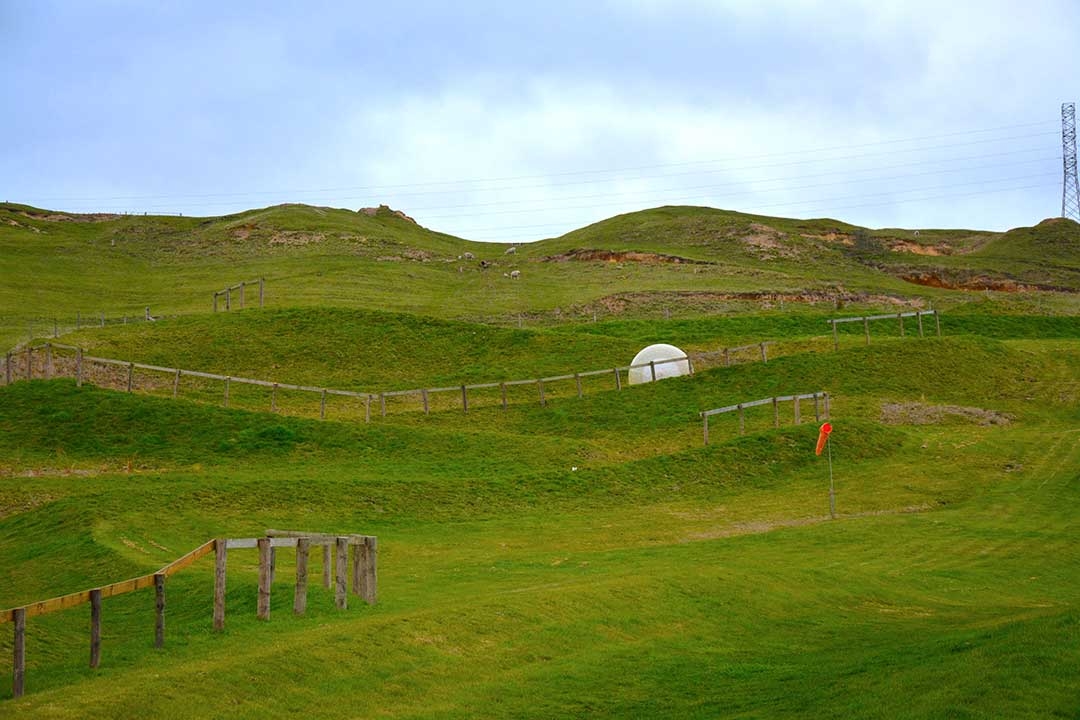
823,437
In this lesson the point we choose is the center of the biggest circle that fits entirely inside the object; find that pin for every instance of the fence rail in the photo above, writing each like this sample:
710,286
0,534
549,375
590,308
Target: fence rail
821,402
48,369
227,293
899,317
364,585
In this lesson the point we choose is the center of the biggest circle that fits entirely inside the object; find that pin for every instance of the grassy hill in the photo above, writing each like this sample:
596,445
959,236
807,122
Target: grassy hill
688,262
589,557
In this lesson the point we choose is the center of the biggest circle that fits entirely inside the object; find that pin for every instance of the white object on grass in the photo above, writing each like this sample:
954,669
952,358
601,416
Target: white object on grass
657,354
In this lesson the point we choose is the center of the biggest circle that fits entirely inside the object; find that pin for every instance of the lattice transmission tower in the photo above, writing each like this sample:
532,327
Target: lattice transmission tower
1070,192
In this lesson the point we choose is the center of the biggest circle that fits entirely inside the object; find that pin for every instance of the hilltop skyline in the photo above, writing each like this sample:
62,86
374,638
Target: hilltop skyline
563,116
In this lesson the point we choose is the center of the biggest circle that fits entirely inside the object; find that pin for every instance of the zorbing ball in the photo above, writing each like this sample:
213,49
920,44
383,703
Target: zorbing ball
678,364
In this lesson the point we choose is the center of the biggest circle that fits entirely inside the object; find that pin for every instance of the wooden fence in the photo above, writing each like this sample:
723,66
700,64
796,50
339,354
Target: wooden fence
821,402
364,585
227,293
20,365
899,317
56,326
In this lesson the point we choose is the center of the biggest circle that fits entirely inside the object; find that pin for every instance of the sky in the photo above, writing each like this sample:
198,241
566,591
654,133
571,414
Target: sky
507,121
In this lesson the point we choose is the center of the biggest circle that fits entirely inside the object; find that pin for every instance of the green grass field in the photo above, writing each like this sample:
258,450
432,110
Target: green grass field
587,558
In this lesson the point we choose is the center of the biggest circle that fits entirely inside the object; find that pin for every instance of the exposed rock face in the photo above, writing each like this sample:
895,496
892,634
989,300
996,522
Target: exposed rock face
612,256
373,211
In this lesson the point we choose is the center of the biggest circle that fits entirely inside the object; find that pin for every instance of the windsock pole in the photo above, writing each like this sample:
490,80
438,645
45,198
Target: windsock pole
832,493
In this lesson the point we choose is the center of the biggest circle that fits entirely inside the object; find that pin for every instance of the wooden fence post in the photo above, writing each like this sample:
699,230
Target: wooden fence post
652,369
918,316
369,574
618,379
900,317
273,398
577,380
18,676
356,565
764,355
263,607
775,413
367,408
228,298
78,367
742,421
502,391
798,415
327,551
95,627
727,357
159,605
131,375
382,404
322,405
176,384
705,428
227,380
424,399
262,284
464,400
937,322
835,337
540,385
300,598
221,546
341,580
866,329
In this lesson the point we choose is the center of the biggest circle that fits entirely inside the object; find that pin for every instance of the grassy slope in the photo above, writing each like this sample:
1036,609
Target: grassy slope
514,587
316,256
659,578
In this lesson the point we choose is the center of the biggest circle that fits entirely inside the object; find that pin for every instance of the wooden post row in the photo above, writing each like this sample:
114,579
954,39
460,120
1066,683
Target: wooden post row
705,428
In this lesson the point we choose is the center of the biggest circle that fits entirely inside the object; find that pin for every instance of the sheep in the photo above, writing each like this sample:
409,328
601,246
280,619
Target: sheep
515,274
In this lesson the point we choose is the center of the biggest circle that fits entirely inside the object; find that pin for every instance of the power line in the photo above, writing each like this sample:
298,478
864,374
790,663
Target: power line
754,210
592,172
752,181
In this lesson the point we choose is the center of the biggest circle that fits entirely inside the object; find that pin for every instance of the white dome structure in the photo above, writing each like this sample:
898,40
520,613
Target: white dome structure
656,354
